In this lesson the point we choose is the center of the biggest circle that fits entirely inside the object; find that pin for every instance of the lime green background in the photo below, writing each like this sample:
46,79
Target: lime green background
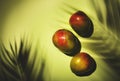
39,19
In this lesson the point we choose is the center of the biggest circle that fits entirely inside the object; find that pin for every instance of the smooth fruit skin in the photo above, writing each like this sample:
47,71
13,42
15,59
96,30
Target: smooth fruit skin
66,42
82,64
81,24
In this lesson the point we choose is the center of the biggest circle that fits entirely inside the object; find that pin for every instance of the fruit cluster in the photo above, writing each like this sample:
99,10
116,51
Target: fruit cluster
82,64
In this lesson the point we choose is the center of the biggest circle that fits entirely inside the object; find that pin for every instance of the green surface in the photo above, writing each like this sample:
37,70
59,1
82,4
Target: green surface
39,19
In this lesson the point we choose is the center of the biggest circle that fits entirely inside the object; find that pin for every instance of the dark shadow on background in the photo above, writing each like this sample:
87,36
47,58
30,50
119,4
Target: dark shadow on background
5,7
113,15
109,47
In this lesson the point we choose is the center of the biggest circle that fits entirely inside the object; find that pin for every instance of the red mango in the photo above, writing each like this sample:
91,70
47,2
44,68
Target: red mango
82,64
66,42
81,24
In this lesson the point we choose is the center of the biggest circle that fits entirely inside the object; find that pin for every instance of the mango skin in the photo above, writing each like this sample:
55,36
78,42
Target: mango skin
83,64
66,42
81,24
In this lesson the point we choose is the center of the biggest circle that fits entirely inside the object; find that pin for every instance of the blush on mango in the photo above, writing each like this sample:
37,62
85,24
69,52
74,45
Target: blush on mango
82,64
66,42
81,24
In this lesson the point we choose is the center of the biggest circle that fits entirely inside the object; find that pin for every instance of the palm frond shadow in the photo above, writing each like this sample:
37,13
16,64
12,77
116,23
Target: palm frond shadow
68,8
14,64
105,44
107,47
